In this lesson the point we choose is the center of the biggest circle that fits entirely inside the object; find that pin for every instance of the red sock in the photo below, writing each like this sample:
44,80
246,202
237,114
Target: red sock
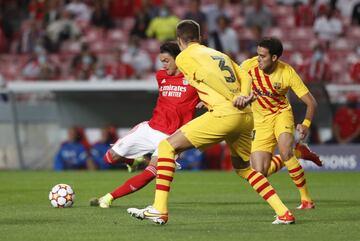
136,182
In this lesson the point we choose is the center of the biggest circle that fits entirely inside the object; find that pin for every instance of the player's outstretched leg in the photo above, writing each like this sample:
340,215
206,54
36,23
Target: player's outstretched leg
262,186
158,212
133,184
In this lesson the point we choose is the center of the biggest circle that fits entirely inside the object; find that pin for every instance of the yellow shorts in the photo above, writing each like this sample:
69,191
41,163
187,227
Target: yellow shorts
266,133
208,129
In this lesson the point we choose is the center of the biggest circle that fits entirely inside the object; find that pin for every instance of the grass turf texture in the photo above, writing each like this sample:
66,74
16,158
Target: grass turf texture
203,206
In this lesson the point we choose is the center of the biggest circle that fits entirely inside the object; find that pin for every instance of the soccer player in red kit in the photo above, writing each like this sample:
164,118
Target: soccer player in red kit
175,107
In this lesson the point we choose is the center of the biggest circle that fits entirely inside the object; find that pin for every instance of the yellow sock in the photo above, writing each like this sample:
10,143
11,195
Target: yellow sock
164,177
297,174
263,188
275,165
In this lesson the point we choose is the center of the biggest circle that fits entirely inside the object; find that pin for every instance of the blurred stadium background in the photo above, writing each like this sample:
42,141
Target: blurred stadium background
91,63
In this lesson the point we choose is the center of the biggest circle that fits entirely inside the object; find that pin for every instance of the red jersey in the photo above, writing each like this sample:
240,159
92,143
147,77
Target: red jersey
175,105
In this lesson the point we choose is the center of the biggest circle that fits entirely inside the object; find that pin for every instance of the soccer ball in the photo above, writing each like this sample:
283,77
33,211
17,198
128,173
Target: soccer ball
61,196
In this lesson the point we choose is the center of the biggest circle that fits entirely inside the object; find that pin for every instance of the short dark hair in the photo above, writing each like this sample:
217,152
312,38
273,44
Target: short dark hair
274,45
188,31
171,48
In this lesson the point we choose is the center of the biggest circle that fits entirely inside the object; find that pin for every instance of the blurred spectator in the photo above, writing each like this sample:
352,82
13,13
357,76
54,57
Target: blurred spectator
3,40
346,7
84,63
122,8
52,12
305,13
214,156
151,7
224,39
355,67
116,69
39,66
251,44
72,153
194,13
328,27
100,16
346,123
355,17
11,17
99,74
290,2
60,30
163,27
318,70
79,10
142,20
191,159
30,37
98,150
212,12
137,58
36,9
258,15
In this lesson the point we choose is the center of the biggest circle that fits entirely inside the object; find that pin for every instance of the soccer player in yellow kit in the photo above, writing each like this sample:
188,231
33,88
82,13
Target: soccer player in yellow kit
225,89
273,117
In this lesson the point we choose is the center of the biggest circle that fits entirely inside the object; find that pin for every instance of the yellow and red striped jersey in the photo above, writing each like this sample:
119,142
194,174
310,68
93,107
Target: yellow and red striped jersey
217,79
271,90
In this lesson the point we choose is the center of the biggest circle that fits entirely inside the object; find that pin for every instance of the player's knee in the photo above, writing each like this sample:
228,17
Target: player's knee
261,169
165,145
239,163
286,154
111,157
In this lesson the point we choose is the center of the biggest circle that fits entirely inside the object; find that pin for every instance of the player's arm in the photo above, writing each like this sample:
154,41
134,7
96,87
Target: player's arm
298,86
244,78
246,95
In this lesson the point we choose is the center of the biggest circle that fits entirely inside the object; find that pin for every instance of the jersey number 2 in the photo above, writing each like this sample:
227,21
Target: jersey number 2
224,67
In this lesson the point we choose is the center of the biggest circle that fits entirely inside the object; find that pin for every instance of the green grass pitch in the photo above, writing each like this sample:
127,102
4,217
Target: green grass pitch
203,206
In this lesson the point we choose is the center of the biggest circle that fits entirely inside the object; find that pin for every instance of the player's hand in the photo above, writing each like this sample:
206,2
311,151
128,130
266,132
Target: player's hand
302,130
242,101
200,105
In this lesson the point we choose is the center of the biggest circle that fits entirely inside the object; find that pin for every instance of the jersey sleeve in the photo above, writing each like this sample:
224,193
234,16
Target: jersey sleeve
244,79
296,84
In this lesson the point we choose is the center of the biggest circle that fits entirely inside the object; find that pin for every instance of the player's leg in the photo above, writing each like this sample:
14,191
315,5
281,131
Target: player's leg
276,164
240,154
263,145
296,172
193,134
141,140
284,132
166,166
302,151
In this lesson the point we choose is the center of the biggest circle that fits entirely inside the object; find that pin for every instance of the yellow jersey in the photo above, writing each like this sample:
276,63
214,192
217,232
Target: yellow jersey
216,77
271,90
